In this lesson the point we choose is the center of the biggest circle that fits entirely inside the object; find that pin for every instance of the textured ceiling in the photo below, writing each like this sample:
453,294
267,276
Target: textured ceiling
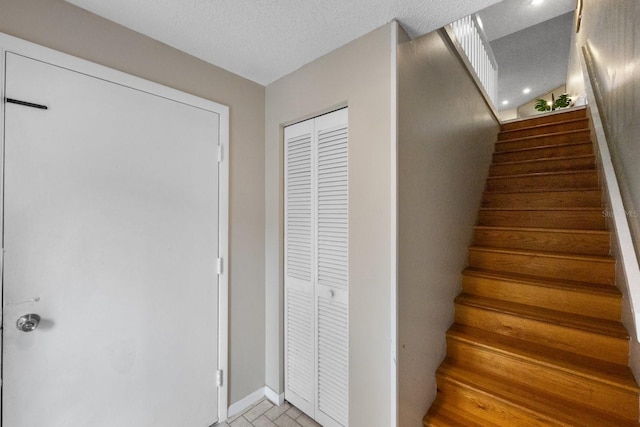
510,16
264,40
535,58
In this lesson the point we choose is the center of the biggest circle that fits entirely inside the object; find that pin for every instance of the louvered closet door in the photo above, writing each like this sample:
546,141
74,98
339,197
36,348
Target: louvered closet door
316,268
299,272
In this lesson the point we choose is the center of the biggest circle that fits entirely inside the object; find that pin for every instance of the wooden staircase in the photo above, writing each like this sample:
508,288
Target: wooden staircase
537,338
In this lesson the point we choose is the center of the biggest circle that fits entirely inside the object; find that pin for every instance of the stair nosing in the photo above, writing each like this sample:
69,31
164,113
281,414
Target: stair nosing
543,115
543,230
607,259
575,366
460,376
545,174
466,416
548,124
545,159
547,282
544,135
542,147
577,208
545,190
582,323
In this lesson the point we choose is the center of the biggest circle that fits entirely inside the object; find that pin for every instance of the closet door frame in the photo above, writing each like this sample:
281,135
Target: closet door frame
34,51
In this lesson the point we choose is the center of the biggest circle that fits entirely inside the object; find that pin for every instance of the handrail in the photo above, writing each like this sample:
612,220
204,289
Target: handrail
625,248
474,43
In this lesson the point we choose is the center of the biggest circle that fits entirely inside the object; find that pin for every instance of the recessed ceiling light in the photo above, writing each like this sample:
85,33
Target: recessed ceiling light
536,2
505,102
526,90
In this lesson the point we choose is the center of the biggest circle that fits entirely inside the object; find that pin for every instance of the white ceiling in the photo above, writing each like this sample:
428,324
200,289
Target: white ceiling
511,16
536,58
531,45
263,40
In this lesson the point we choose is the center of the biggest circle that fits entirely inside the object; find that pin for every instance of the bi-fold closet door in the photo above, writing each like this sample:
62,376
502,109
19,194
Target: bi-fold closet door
317,268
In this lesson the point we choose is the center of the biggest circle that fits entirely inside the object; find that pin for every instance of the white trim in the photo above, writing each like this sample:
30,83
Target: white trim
275,398
393,240
41,53
626,249
246,402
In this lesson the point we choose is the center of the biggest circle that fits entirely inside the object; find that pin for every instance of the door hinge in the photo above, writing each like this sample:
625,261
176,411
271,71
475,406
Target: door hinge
219,153
219,378
219,265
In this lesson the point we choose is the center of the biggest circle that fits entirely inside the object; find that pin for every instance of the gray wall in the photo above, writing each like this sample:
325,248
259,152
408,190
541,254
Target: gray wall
610,27
446,138
359,75
61,26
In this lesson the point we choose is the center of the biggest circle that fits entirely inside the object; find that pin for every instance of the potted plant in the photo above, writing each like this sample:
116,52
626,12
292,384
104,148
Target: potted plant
563,101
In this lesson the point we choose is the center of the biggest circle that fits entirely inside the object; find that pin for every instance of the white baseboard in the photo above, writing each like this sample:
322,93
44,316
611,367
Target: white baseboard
275,398
247,401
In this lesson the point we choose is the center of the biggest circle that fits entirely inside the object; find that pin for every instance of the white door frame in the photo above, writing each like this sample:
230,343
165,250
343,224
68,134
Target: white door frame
41,53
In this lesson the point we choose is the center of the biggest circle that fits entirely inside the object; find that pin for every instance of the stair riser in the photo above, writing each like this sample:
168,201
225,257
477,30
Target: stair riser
487,407
590,344
545,129
540,120
579,163
550,199
602,306
591,271
544,153
551,380
588,220
577,242
544,140
579,180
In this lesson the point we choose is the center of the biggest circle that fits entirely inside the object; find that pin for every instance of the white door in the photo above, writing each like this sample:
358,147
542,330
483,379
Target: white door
110,236
317,268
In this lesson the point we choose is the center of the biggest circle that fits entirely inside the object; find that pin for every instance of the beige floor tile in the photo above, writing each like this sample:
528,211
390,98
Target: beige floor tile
263,421
276,411
305,421
286,421
294,412
257,410
241,422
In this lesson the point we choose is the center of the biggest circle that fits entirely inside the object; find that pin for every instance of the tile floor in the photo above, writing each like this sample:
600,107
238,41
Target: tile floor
266,414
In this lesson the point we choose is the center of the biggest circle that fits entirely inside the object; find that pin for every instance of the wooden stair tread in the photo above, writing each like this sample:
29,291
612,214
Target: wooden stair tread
544,190
441,415
543,147
564,255
543,135
519,162
568,320
537,338
544,174
546,230
575,240
538,404
597,370
544,118
544,125
546,208
593,288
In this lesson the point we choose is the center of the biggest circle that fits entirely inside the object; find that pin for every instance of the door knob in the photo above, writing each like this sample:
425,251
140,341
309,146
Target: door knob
28,322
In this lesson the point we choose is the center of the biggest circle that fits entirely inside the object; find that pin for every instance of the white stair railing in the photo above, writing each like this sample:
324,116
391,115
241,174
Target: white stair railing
473,41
